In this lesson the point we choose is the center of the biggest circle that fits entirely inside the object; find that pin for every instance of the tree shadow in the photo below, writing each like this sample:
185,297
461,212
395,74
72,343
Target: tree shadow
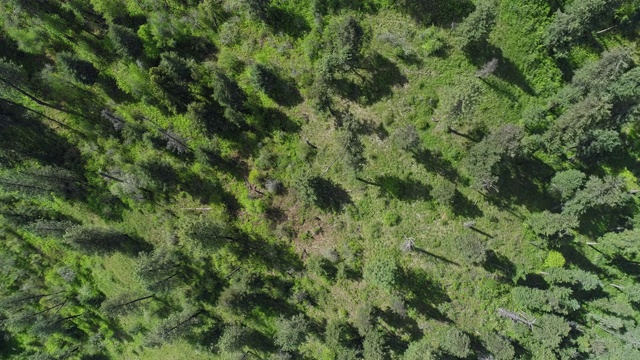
282,91
498,263
506,69
581,261
525,183
132,245
329,196
464,207
441,258
596,222
438,12
475,229
213,158
198,48
404,190
288,22
381,75
276,255
398,322
385,74
29,138
325,7
534,281
270,119
425,294
434,160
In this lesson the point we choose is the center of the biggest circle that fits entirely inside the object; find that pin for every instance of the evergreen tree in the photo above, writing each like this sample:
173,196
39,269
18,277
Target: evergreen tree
125,41
291,332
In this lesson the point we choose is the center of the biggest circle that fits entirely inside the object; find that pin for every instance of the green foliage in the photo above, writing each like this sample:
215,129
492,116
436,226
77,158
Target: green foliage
565,183
471,249
419,350
475,29
488,157
548,224
577,19
233,339
78,69
554,260
374,345
585,280
407,138
125,41
556,299
145,145
290,333
344,44
551,331
607,193
499,346
456,343
381,272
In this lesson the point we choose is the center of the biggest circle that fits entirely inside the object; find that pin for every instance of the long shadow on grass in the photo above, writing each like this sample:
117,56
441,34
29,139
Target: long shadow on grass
426,294
464,207
441,258
434,160
282,91
506,69
384,73
287,22
401,189
329,196
270,119
498,263
398,322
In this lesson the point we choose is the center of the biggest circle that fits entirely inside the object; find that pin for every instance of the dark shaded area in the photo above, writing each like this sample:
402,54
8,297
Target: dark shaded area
426,294
476,134
576,257
26,137
506,69
384,75
402,189
277,255
325,7
212,157
433,160
329,195
498,263
404,324
534,281
475,229
525,184
198,48
270,120
441,258
105,204
288,22
465,207
8,345
132,245
438,12
594,223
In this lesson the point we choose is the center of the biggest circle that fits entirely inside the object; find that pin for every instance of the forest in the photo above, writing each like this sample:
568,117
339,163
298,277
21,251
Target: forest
319,179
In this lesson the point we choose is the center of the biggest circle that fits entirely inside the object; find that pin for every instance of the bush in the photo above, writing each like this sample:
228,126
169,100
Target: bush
381,272
554,259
